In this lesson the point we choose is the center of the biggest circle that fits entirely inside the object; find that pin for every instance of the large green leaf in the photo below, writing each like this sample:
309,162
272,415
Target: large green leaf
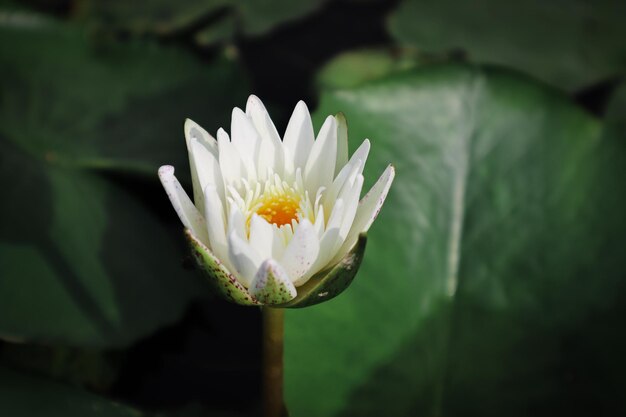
493,280
27,396
569,43
83,260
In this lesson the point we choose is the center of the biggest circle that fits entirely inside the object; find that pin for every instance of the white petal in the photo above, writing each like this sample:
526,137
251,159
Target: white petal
271,284
351,199
187,212
288,165
361,154
193,131
319,221
320,166
334,220
329,240
246,140
342,183
256,112
207,167
244,258
230,163
327,244
216,225
298,139
370,205
342,142
353,167
269,160
236,221
270,149
301,252
264,238
368,209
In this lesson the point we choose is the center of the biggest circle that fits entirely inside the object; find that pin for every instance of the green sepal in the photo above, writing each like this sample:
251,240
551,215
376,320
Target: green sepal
328,284
221,280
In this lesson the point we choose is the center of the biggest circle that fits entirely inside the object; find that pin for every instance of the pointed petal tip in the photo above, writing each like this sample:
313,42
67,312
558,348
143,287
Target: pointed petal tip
331,120
387,177
189,125
388,174
193,130
237,112
253,104
377,195
272,266
301,107
222,135
254,100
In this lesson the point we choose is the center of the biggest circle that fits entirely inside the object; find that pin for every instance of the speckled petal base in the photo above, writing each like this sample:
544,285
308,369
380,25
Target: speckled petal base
223,282
271,285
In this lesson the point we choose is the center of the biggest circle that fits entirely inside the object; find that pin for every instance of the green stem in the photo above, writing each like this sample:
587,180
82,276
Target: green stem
273,328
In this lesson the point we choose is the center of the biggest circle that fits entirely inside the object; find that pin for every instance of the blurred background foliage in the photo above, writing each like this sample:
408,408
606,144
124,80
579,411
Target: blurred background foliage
495,278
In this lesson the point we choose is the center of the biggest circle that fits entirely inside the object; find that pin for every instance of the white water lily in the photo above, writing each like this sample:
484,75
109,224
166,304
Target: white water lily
268,215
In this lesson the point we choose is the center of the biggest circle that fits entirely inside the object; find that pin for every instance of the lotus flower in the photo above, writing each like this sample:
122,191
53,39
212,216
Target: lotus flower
276,222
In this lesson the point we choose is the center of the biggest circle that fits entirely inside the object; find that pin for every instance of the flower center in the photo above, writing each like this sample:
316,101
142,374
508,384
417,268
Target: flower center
279,209
281,204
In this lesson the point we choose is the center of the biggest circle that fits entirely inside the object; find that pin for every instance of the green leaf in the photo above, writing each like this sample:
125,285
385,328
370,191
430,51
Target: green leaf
571,44
83,260
497,252
98,104
258,17
163,17
353,68
152,16
27,396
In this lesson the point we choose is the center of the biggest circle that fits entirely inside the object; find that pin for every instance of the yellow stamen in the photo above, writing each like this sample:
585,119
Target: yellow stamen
279,209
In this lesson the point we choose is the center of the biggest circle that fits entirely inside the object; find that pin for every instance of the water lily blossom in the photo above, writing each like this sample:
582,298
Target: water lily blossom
276,222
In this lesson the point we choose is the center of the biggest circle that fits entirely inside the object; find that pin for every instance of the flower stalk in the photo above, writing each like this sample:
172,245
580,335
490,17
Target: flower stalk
273,330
